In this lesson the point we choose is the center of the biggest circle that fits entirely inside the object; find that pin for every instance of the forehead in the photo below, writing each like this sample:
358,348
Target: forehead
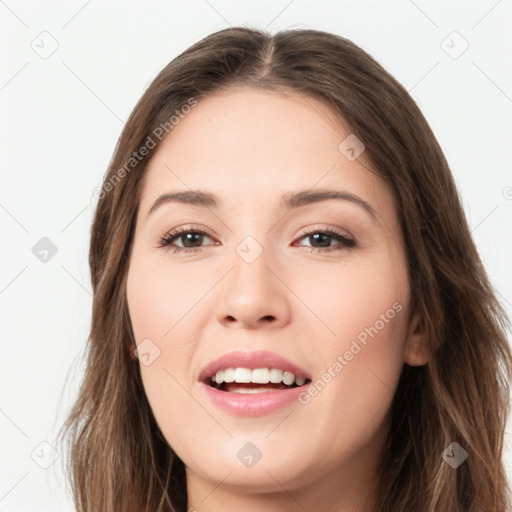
246,143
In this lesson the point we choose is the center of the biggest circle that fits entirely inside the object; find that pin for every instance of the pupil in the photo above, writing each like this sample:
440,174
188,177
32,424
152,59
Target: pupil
317,235
187,238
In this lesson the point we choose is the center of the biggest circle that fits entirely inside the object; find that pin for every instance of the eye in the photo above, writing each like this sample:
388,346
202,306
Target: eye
191,239
188,235
321,238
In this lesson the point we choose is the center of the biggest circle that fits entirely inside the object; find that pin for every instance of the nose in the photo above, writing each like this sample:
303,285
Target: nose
253,295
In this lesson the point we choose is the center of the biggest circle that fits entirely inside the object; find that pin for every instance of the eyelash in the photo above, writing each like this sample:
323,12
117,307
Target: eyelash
167,240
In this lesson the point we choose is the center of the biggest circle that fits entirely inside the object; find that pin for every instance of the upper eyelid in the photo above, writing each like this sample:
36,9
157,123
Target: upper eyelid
315,228
188,229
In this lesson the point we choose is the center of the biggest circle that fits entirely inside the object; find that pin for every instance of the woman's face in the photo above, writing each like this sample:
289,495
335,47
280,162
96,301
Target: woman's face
266,276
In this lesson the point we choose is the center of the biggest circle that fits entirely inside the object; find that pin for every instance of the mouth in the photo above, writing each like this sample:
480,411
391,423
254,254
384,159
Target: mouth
252,381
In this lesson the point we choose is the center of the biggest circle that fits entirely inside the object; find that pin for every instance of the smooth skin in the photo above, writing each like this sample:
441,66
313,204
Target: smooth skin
306,298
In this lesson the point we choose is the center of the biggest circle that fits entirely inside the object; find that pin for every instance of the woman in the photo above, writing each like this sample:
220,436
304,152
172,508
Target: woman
233,363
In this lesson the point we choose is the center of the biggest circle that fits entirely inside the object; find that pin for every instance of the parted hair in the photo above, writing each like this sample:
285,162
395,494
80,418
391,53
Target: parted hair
118,459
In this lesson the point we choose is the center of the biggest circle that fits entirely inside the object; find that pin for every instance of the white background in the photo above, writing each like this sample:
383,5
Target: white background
62,115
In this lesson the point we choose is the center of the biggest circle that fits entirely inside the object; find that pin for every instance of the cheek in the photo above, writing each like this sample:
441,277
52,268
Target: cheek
364,300
159,300
157,308
361,359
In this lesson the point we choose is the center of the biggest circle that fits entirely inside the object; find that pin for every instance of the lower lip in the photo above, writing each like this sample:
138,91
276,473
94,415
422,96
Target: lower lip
252,404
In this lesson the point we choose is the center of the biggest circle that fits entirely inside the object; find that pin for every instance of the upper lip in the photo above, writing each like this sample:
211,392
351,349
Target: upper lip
251,360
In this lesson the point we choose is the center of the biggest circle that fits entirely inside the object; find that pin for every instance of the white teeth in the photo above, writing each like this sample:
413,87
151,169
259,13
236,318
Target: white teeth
288,378
276,376
243,375
257,376
229,375
261,376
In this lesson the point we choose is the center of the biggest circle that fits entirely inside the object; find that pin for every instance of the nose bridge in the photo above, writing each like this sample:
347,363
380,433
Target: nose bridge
252,293
250,276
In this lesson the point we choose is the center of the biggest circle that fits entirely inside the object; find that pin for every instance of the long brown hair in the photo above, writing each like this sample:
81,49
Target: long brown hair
118,458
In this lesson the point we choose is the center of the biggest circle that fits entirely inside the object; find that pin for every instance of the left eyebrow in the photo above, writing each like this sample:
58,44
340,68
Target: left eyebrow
289,201
292,200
